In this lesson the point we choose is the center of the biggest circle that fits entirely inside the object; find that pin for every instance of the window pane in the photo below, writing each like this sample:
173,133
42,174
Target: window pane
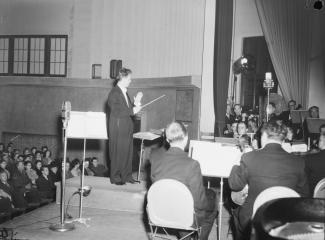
41,56
52,56
62,57
63,44
41,70
37,68
24,67
58,43
42,45
57,56
31,68
52,68
32,56
1,68
2,43
52,43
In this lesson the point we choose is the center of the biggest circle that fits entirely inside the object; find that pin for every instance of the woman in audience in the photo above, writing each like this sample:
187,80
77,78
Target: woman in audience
33,151
38,166
75,167
38,156
68,173
6,192
31,173
2,148
26,151
3,167
47,157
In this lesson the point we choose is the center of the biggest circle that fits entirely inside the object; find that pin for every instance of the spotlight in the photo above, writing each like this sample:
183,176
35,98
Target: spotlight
244,64
318,5
85,191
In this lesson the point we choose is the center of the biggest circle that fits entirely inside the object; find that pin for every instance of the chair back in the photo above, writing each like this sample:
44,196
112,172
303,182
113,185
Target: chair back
170,204
319,191
272,193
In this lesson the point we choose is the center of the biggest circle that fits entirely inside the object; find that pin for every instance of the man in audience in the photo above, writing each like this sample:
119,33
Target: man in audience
54,173
45,185
238,113
285,116
99,169
315,165
270,166
175,164
88,171
322,129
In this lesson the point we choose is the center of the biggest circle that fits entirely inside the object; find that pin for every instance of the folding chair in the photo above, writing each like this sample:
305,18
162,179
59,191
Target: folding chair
272,193
170,206
319,191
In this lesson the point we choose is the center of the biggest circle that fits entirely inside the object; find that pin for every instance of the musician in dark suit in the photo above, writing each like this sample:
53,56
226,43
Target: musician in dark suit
315,165
264,168
120,129
175,164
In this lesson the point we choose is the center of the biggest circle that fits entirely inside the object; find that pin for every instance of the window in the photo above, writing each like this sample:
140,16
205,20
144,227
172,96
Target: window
33,55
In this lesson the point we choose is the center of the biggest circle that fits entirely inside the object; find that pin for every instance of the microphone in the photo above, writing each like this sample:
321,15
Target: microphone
65,113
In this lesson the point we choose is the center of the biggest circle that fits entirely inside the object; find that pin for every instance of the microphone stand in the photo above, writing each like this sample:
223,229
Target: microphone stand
63,226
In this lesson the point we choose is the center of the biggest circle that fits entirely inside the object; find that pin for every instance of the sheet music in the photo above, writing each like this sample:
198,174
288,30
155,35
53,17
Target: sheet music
146,135
87,125
216,160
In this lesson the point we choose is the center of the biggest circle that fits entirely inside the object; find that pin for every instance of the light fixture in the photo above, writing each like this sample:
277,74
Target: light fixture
318,4
244,64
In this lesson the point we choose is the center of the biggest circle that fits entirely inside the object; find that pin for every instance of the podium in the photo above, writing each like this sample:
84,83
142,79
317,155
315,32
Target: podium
216,160
85,125
144,136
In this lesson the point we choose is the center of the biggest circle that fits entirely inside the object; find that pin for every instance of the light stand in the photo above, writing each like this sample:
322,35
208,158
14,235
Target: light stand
268,84
63,226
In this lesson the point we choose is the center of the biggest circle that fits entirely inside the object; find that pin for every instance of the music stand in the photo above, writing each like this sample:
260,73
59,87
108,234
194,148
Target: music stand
86,125
216,160
144,136
298,116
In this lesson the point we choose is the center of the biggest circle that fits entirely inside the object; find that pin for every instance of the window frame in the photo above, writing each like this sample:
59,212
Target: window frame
47,55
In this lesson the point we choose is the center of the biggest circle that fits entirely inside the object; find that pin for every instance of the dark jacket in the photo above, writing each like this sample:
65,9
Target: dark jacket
264,168
315,168
175,164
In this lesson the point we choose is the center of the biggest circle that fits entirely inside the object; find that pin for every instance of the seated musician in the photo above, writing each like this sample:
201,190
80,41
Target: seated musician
315,165
174,163
270,166
285,116
313,113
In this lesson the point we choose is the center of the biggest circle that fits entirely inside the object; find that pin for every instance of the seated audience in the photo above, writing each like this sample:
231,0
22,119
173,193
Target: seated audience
270,111
239,116
44,149
241,129
2,148
47,157
31,173
75,167
229,119
322,129
99,169
244,143
26,151
175,164
12,198
252,126
88,171
33,151
38,156
23,185
3,167
54,173
270,166
38,167
313,137
68,173
285,116
45,184
315,165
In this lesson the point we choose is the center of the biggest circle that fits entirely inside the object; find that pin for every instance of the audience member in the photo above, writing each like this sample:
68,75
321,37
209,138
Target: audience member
22,184
38,156
88,171
75,167
99,169
2,148
33,151
3,167
241,129
45,184
38,167
270,111
270,166
175,164
311,137
229,119
68,173
44,149
47,157
315,165
26,151
31,173
238,113
322,129
16,198
244,143
285,116
5,198
54,173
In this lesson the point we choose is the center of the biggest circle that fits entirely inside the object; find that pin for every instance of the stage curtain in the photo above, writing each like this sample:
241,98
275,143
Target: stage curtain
286,27
222,58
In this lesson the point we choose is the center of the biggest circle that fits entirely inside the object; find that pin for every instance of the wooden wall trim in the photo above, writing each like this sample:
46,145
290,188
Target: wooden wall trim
166,82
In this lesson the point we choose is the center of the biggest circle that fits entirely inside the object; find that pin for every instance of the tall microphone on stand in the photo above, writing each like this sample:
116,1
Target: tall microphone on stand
63,226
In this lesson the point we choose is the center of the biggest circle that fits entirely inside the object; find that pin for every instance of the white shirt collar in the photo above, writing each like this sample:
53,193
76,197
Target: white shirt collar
124,90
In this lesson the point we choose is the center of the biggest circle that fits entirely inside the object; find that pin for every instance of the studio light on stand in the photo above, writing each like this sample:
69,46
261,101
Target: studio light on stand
268,84
244,64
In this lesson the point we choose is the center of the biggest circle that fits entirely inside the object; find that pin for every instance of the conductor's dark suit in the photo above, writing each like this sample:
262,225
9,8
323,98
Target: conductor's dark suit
261,169
175,164
120,131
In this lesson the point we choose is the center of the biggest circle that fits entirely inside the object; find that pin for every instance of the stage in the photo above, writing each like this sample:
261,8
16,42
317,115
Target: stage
113,218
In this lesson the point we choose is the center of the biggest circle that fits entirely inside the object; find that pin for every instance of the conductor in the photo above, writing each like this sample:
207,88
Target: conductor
120,129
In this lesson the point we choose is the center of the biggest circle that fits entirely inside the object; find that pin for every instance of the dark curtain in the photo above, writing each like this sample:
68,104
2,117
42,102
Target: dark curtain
222,59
